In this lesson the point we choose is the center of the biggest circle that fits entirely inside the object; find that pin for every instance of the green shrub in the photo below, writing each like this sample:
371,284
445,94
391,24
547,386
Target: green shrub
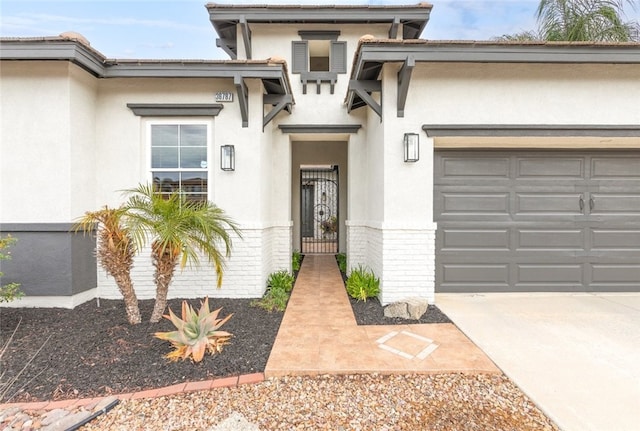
296,260
275,298
362,284
281,279
279,286
11,291
342,262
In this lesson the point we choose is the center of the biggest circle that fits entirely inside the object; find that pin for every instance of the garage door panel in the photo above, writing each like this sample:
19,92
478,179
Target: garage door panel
474,239
549,273
615,204
463,167
475,274
550,239
546,204
475,203
623,167
615,239
549,167
613,274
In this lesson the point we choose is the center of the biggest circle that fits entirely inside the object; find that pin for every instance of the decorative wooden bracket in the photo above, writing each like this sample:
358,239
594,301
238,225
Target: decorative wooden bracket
243,99
246,36
364,89
404,78
393,31
279,102
221,43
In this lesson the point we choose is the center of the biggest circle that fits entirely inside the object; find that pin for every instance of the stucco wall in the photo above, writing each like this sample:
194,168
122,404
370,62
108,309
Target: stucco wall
524,94
35,131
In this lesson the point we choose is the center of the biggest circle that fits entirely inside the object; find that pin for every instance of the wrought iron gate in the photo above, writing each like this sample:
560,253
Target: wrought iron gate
319,227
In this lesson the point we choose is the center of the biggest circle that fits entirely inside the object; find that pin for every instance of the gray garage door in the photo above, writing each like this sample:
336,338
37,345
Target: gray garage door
537,221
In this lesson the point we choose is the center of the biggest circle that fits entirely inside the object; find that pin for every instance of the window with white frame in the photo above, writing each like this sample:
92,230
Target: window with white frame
179,158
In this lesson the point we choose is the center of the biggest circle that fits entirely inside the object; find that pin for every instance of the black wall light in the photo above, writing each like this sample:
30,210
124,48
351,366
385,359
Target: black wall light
227,158
411,147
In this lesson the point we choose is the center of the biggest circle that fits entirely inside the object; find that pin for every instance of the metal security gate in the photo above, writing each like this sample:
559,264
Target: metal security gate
319,230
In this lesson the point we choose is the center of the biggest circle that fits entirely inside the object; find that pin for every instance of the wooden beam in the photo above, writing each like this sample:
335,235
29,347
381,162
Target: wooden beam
404,78
222,43
364,89
243,99
246,36
279,101
393,31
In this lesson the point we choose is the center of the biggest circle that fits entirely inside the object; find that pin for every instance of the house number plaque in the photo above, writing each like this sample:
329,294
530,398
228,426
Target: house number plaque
224,96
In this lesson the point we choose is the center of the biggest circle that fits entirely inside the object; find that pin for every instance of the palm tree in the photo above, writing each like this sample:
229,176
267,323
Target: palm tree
581,20
179,230
524,36
585,20
115,252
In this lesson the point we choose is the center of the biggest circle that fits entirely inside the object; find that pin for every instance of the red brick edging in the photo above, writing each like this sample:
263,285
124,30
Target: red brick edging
180,388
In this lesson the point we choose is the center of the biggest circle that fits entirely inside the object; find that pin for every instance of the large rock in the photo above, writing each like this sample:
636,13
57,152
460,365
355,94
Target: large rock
411,308
236,422
396,309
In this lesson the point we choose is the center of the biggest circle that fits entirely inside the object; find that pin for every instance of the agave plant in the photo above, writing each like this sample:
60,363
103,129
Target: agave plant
197,332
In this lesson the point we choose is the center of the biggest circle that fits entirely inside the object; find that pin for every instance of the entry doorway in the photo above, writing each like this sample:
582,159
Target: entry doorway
319,209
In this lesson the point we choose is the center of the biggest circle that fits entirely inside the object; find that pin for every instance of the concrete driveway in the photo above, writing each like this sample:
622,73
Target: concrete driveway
577,356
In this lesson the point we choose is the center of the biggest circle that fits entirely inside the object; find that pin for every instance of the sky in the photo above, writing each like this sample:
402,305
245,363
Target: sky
180,29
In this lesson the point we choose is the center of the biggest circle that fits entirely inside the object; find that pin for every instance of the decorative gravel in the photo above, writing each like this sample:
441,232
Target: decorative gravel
361,402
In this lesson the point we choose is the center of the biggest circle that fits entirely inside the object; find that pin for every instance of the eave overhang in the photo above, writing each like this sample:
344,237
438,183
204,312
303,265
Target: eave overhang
371,56
226,18
53,49
273,73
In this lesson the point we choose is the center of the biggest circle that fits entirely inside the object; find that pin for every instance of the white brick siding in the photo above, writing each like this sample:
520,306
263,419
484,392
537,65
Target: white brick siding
402,256
261,251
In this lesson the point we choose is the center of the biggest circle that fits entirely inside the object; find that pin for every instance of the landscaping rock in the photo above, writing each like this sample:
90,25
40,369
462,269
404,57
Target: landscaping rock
397,309
236,422
68,421
416,307
411,308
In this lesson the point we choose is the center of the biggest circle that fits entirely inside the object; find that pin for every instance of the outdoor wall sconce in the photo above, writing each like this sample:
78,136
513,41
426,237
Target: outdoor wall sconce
227,158
411,147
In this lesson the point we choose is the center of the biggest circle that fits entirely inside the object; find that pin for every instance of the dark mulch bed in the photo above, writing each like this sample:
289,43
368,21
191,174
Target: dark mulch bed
371,312
93,351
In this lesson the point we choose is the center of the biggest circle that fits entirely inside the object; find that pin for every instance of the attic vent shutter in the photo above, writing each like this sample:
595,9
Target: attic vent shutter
300,57
338,57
